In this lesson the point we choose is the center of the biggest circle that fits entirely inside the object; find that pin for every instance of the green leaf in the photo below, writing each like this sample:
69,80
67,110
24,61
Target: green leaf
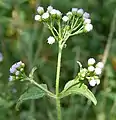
76,87
31,93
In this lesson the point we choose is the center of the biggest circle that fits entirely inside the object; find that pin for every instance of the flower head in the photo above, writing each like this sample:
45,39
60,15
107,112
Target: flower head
40,10
51,40
86,15
38,18
53,12
65,18
58,13
74,10
91,68
80,11
45,16
16,71
100,65
88,27
69,14
98,71
50,8
91,61
87,21
92,82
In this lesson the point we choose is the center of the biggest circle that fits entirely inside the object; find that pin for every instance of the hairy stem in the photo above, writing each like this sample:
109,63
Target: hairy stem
58,69
58,107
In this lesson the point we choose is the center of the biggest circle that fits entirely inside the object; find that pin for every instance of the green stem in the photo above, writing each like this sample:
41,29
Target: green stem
42,88
58,107
58,68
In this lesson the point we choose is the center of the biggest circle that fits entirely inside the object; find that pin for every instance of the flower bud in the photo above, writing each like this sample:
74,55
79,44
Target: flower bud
38,18
91,61
45,16
40,10
91,68
80,11
65,18
49,9
51,40
69,14
87,21
58,13
53,12
74,10
86,15
88,27
92,82
98,71
100,65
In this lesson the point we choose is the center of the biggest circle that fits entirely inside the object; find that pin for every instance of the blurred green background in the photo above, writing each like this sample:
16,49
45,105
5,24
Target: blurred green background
21,38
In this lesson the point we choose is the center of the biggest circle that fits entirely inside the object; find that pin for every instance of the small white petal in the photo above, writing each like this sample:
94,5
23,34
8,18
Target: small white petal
45,16
91,68
88,27
65,18
86,15
37,17
98,71
100,65
40,10
50,8
53,12
87,21
51,40
91,61
80,11
74,10
92,82
69,14
58,13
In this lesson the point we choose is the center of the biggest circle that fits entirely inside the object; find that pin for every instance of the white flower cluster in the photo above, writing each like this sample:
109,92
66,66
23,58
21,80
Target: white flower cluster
16,71
45,16
95,71
74,22
92,73
76,13
83,16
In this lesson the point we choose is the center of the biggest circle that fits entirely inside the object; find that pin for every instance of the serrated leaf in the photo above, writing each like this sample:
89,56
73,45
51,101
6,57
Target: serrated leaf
31,93
76,87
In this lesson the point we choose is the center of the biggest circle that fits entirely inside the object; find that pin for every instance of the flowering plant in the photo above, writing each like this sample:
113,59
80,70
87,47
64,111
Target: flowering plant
62,27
